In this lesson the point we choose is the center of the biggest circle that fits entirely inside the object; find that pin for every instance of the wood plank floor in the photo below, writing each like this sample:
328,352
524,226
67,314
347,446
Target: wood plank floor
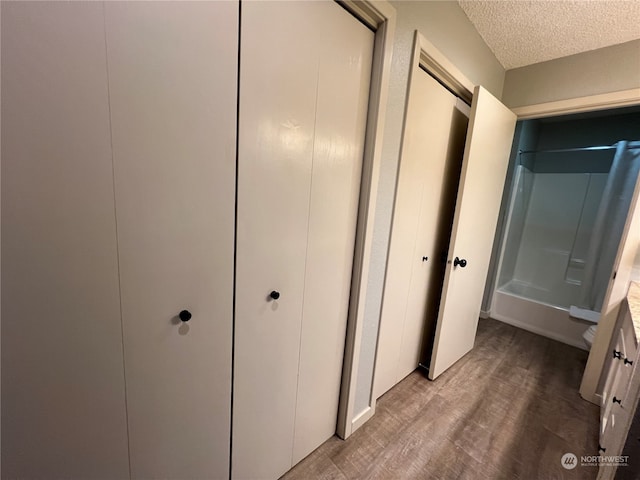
508,410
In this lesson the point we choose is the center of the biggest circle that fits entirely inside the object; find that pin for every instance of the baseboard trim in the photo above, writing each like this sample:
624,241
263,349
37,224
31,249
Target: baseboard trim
362,418
539,331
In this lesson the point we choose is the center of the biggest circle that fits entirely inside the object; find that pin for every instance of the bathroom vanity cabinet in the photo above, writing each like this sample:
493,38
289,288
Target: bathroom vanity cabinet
622,384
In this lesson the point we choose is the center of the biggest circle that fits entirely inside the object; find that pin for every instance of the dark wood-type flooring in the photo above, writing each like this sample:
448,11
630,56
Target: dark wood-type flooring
508,410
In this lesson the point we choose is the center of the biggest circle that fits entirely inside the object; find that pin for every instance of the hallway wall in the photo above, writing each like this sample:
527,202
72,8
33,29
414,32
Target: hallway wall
605,70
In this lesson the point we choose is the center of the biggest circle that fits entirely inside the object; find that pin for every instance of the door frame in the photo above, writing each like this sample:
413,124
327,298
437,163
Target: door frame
591,103
380,17
425,56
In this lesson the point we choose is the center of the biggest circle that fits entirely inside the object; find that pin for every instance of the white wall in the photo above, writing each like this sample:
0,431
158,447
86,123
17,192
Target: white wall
446,26
605,70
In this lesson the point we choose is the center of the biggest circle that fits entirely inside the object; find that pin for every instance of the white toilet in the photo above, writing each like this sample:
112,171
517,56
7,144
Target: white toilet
588,336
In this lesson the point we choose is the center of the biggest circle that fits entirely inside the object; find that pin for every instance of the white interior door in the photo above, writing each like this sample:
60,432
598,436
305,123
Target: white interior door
342,95
173,77
305,69
486,156
274,178
63,392
432,150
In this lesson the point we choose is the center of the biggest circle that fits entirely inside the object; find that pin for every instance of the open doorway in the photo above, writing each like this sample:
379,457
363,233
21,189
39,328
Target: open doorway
570,184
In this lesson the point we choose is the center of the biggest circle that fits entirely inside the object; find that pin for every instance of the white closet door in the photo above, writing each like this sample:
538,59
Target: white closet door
305,69
431,155
484,167
172,75
277,112
432,240
63,399
342,97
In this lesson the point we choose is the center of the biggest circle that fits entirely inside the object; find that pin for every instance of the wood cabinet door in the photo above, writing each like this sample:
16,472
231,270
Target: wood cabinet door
484,167
613,388
172,78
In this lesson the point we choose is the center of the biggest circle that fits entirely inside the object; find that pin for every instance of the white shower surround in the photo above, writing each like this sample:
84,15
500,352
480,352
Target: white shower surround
537,282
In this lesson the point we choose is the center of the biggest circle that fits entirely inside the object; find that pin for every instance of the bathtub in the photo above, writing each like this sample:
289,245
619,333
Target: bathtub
511,304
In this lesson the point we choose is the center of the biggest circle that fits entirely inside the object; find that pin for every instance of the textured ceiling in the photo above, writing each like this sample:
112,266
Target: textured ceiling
524,32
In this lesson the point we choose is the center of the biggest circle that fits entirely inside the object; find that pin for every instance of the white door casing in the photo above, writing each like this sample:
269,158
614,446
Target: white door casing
301,140
173,78
487,149
380,16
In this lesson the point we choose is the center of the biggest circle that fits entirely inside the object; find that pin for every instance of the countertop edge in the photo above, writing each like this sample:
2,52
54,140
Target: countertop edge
633,300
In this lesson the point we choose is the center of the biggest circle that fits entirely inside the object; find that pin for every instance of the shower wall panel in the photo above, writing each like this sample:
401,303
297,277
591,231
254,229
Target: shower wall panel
558,224
580,250
521,195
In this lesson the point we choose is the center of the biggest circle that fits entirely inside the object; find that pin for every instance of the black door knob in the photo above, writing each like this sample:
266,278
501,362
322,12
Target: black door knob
185,315
617,400
462,262
275,294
